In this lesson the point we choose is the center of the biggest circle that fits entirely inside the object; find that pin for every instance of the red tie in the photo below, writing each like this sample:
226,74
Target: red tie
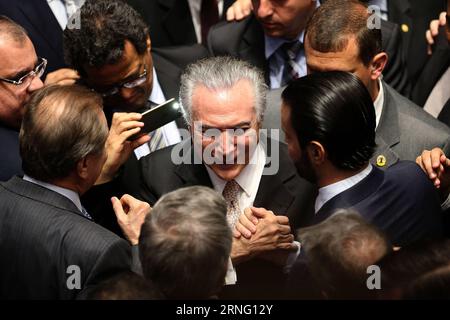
209,16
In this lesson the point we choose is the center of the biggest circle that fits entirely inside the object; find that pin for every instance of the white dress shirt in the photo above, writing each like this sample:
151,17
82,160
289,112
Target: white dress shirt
328,192
249,180
379,103
171,134
64,9
194,7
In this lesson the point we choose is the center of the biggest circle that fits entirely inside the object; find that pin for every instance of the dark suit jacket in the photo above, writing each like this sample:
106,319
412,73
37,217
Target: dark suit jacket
401,201
42,27
433,70
405,130
417,15
43,233
169,21
284,193
245,40
10,161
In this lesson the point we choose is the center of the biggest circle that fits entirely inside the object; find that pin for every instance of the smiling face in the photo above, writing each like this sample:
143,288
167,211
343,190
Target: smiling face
222,109
16,60
127,69
283,18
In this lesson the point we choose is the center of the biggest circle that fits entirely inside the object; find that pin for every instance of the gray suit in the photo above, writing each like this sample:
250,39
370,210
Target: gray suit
405,130
42,235
272,116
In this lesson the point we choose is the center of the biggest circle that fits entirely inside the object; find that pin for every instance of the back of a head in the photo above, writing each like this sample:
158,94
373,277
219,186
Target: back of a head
338,252
125,286
336,21
61,125
104,27
335,109
400,268
430,286
185,243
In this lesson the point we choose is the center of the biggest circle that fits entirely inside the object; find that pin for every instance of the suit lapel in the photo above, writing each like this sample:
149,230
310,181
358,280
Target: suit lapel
42,18
388,132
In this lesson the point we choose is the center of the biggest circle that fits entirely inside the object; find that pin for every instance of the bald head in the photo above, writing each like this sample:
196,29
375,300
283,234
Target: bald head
11,31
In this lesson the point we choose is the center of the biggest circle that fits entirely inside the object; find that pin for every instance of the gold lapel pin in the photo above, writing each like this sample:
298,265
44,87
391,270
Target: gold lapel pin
381,161
405,28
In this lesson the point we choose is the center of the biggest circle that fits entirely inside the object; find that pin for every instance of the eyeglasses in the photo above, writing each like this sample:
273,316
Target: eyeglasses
129,85
26,80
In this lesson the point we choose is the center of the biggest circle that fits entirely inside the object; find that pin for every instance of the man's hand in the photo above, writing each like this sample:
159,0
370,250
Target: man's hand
432,33
272,232
130,214
62,77
239,10
118,148
437,167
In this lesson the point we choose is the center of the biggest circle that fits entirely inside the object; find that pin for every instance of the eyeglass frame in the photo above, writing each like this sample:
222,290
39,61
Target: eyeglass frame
140,79
33,73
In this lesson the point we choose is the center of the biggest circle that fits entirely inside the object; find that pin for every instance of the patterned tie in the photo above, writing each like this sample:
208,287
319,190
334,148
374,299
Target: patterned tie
209,16
231,193
291,69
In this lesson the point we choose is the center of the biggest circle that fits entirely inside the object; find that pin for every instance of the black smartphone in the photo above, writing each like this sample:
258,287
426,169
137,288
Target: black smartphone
159,116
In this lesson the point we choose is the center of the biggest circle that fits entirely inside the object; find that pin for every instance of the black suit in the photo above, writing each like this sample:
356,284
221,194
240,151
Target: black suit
10,161
245,40
42,27
169,21
42,234
417,15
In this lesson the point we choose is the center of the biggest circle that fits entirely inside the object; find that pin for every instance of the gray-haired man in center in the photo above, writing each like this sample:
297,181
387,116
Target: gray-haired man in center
224,100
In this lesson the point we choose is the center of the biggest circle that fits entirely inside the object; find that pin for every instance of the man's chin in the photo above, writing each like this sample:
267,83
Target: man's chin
227,171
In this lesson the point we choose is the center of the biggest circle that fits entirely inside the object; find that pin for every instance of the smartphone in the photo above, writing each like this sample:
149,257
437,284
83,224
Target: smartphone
159,116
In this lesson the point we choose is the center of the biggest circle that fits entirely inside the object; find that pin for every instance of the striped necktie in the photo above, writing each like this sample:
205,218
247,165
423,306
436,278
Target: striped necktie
290,51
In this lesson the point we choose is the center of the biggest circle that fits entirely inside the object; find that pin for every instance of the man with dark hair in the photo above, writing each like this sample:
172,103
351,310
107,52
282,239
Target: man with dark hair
335,256
185,243
272,38
20,72
338,38
329,123
62,145
112,52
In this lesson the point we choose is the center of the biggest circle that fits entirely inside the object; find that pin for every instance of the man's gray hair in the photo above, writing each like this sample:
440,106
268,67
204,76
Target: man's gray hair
221,73
185,243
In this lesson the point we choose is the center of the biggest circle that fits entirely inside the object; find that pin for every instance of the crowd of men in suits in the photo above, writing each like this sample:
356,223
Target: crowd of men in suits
351,175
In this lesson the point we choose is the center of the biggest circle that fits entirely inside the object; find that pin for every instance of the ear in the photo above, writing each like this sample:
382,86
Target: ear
316,153
149,43
377,65
82,167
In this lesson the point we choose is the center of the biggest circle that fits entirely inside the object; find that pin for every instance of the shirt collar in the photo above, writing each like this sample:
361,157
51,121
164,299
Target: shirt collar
157,95
330,191
272,44
69,194
378,103
248,175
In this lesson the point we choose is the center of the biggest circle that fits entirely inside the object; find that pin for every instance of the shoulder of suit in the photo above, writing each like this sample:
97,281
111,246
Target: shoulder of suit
409,111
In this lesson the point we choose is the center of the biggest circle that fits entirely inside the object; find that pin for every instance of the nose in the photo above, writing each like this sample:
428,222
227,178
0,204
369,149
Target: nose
127,93
35,84
264,9
227,145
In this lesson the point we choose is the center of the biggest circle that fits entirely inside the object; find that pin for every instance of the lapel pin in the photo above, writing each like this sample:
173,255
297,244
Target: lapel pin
405,28
381,161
